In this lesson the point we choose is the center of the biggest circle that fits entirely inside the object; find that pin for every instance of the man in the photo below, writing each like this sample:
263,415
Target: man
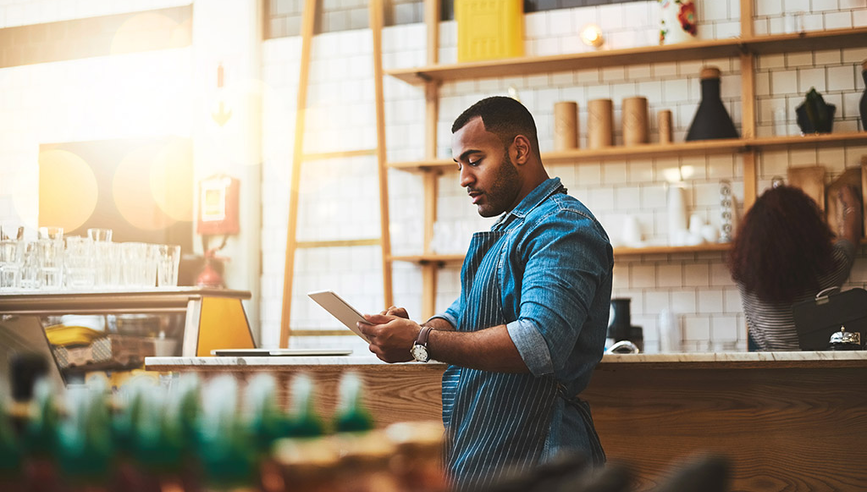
529,327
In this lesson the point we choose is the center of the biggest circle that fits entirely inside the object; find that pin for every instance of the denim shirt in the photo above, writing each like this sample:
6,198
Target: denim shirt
555,285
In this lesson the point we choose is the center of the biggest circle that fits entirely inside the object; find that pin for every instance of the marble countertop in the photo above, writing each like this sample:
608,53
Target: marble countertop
609,361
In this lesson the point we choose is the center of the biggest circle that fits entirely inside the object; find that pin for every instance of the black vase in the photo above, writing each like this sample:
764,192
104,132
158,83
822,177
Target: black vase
814,114
620,325
863,105
711,120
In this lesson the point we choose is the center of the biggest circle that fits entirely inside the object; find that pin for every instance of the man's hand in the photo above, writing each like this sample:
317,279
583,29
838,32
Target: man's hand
391,336
396,311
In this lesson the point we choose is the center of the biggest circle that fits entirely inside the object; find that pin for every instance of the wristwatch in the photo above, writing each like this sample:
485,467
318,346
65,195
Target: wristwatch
419,348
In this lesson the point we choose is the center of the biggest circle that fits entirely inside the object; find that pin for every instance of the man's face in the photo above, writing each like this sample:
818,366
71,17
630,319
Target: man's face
486,171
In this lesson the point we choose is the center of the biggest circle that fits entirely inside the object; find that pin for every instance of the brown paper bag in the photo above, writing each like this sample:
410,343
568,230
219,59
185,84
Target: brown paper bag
833,212
811,180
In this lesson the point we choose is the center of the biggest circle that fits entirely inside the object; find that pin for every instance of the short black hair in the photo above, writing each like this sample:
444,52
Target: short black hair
504,117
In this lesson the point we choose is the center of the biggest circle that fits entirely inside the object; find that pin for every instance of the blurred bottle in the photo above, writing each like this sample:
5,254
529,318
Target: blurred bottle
303,420
352,415
84,443
39,440
226,450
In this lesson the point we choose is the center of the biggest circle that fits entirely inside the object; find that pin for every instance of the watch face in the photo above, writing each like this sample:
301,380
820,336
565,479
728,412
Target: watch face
419,353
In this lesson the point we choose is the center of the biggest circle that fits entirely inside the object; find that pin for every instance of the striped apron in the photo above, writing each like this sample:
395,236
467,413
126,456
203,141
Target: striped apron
495,421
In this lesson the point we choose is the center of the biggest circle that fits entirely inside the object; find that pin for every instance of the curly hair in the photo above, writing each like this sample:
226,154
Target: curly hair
782,246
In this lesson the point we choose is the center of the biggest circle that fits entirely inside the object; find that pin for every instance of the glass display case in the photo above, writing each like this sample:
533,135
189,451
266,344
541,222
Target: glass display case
114,331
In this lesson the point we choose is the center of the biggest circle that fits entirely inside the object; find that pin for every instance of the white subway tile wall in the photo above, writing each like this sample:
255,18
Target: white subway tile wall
340,198
696,286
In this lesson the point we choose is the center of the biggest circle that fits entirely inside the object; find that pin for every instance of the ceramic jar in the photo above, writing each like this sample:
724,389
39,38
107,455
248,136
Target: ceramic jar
565,125
634,116
600,123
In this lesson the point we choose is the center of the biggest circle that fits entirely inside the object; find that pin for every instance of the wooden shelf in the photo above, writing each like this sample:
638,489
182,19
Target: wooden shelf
699,50
512,67
652,250
808,41
457,259
817,140
704,147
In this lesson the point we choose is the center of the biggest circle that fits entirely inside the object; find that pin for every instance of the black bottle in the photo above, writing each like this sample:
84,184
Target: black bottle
711,120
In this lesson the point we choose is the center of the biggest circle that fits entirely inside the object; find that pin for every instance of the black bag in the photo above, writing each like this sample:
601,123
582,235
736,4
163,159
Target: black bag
817,319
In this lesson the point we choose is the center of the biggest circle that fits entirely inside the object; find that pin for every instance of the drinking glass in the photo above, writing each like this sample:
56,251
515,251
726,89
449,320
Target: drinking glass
10,264
51,232
150,266
102,251
31,266
51,259
80,263
99,235
134,261
167,265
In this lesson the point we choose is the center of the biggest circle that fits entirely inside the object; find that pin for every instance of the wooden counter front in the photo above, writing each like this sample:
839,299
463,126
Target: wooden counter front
786,420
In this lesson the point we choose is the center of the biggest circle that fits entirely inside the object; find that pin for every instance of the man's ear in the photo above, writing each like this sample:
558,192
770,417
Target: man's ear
521,144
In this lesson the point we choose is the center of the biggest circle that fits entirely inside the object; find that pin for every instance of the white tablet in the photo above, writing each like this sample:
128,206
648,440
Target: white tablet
313,352
340,309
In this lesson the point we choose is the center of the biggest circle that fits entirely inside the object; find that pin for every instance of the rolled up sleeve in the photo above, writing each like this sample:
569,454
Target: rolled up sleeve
531,345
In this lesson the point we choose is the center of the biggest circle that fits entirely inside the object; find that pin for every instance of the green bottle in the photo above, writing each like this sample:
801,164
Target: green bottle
84,441
39,438
266,422
303,419
352,415
226,451
157,438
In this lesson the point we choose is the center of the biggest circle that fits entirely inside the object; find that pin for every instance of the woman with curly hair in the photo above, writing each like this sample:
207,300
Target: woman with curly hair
785,253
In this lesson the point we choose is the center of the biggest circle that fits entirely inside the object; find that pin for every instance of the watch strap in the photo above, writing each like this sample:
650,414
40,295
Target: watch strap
423,336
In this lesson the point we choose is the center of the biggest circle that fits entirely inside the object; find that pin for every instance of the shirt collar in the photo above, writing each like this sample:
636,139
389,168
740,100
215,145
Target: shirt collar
533,199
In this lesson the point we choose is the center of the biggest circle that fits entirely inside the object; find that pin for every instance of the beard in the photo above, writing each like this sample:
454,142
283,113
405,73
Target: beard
503,191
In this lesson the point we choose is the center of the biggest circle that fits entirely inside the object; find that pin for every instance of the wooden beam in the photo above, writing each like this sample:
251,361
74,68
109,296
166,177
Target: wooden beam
375,11
307,20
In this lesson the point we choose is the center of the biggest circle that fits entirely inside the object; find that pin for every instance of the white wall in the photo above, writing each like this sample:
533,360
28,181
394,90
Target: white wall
696,286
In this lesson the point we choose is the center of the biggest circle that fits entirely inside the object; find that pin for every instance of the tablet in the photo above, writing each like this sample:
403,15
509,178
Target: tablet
313,352
340,309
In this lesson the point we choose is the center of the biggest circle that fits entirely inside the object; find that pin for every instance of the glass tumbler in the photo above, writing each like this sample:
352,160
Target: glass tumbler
51,259
99,235
10,264
134,264
103,257
31,266
80,263
53,233
167,265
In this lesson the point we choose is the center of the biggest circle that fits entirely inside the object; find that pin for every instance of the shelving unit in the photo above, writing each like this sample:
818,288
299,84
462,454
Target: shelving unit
441,260
708,147
709,49
747,47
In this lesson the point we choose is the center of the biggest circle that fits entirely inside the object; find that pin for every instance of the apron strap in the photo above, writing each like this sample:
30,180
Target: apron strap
597,453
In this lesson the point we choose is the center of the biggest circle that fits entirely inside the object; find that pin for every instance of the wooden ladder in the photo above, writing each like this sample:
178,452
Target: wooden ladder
298,157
